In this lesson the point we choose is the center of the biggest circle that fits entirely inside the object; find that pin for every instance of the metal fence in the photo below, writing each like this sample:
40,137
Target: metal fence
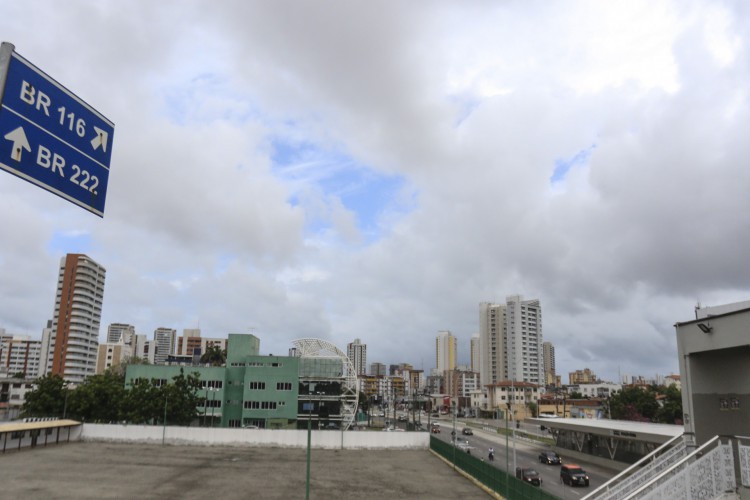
487,474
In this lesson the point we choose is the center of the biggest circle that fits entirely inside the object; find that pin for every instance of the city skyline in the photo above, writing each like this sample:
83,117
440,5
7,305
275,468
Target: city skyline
375,170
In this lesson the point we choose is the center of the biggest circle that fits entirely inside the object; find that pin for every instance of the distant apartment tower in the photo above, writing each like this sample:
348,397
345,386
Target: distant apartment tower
511,341
357,353
115,331
585,376
445,351
164,344
550,375
191,343
377,369
20,354
474,353
74,336
111,355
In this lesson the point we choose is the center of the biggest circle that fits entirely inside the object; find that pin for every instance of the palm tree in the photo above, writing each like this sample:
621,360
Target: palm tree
214,356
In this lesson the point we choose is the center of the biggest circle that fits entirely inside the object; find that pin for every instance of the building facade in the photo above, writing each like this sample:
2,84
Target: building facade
511,341
165,340
357,353
118,331
74,336
550,374
20,354
474,353
445,351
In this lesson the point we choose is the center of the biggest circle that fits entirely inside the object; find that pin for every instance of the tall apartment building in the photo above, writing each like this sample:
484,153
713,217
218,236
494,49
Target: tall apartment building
550,375
74,335
20,354
357,353
165,340
474,353
115,331
112,354
191,343
377,369
511,341
585,376
445,351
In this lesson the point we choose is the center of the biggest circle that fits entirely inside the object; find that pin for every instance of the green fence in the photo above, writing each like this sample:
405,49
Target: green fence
487,474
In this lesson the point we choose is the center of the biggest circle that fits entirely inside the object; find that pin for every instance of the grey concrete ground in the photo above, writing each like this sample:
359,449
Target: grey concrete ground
107,470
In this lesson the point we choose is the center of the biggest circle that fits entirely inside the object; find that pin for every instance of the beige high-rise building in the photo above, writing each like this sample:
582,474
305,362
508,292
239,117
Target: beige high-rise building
74,336
550,375
445,351
474,352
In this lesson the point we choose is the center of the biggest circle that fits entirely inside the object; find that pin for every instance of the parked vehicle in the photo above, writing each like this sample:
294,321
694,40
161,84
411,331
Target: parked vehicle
573,475
467,432
549,457
528,475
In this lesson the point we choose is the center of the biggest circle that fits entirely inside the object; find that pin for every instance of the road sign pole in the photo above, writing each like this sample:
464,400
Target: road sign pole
6,52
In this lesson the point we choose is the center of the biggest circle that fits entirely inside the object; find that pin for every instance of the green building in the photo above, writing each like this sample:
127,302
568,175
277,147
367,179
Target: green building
250,391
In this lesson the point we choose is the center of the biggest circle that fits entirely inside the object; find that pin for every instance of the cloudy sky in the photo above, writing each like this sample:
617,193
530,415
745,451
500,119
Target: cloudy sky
375,170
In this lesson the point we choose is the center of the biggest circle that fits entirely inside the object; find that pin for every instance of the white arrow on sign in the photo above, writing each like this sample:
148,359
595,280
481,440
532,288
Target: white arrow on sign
100,139
20,142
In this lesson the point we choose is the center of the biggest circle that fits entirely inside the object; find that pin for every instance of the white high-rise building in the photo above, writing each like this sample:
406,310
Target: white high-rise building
357,353
165,340
19,354
445,351
117,330
74,336
511,341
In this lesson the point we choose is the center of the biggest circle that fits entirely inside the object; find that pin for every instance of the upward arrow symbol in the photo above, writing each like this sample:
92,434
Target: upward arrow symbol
20,142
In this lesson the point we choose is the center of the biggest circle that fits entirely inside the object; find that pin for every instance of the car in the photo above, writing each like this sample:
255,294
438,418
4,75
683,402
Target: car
528,475
549,457
573,475
467,432
403,418
436,429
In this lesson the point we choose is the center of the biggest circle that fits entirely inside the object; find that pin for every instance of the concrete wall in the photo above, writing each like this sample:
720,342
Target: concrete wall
256,437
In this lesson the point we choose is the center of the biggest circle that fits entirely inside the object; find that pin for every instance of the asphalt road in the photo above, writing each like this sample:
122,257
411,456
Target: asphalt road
526,455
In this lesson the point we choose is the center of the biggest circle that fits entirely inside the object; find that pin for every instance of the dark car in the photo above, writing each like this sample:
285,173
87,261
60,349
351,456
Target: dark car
550,458
467,432
435,429
573,475
528,475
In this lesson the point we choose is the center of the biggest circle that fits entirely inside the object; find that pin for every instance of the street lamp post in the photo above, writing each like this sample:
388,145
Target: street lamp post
164,428
455,438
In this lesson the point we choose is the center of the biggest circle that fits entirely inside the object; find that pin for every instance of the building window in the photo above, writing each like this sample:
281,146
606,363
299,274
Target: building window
256,386
234,422
283,386
252,405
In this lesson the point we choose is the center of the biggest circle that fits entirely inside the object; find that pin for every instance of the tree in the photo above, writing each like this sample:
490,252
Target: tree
99,398
671,409
47,399
533,409
575,395
181,398
634,403
143,403
214,356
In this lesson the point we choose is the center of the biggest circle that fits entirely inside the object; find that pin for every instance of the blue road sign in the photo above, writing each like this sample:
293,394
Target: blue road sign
50,137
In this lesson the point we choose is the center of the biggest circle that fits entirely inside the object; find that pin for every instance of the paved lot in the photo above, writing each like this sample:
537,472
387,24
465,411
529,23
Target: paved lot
107,470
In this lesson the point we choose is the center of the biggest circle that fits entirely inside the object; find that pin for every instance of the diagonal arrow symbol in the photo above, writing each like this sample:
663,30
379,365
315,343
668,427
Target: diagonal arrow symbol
20,142
100,139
